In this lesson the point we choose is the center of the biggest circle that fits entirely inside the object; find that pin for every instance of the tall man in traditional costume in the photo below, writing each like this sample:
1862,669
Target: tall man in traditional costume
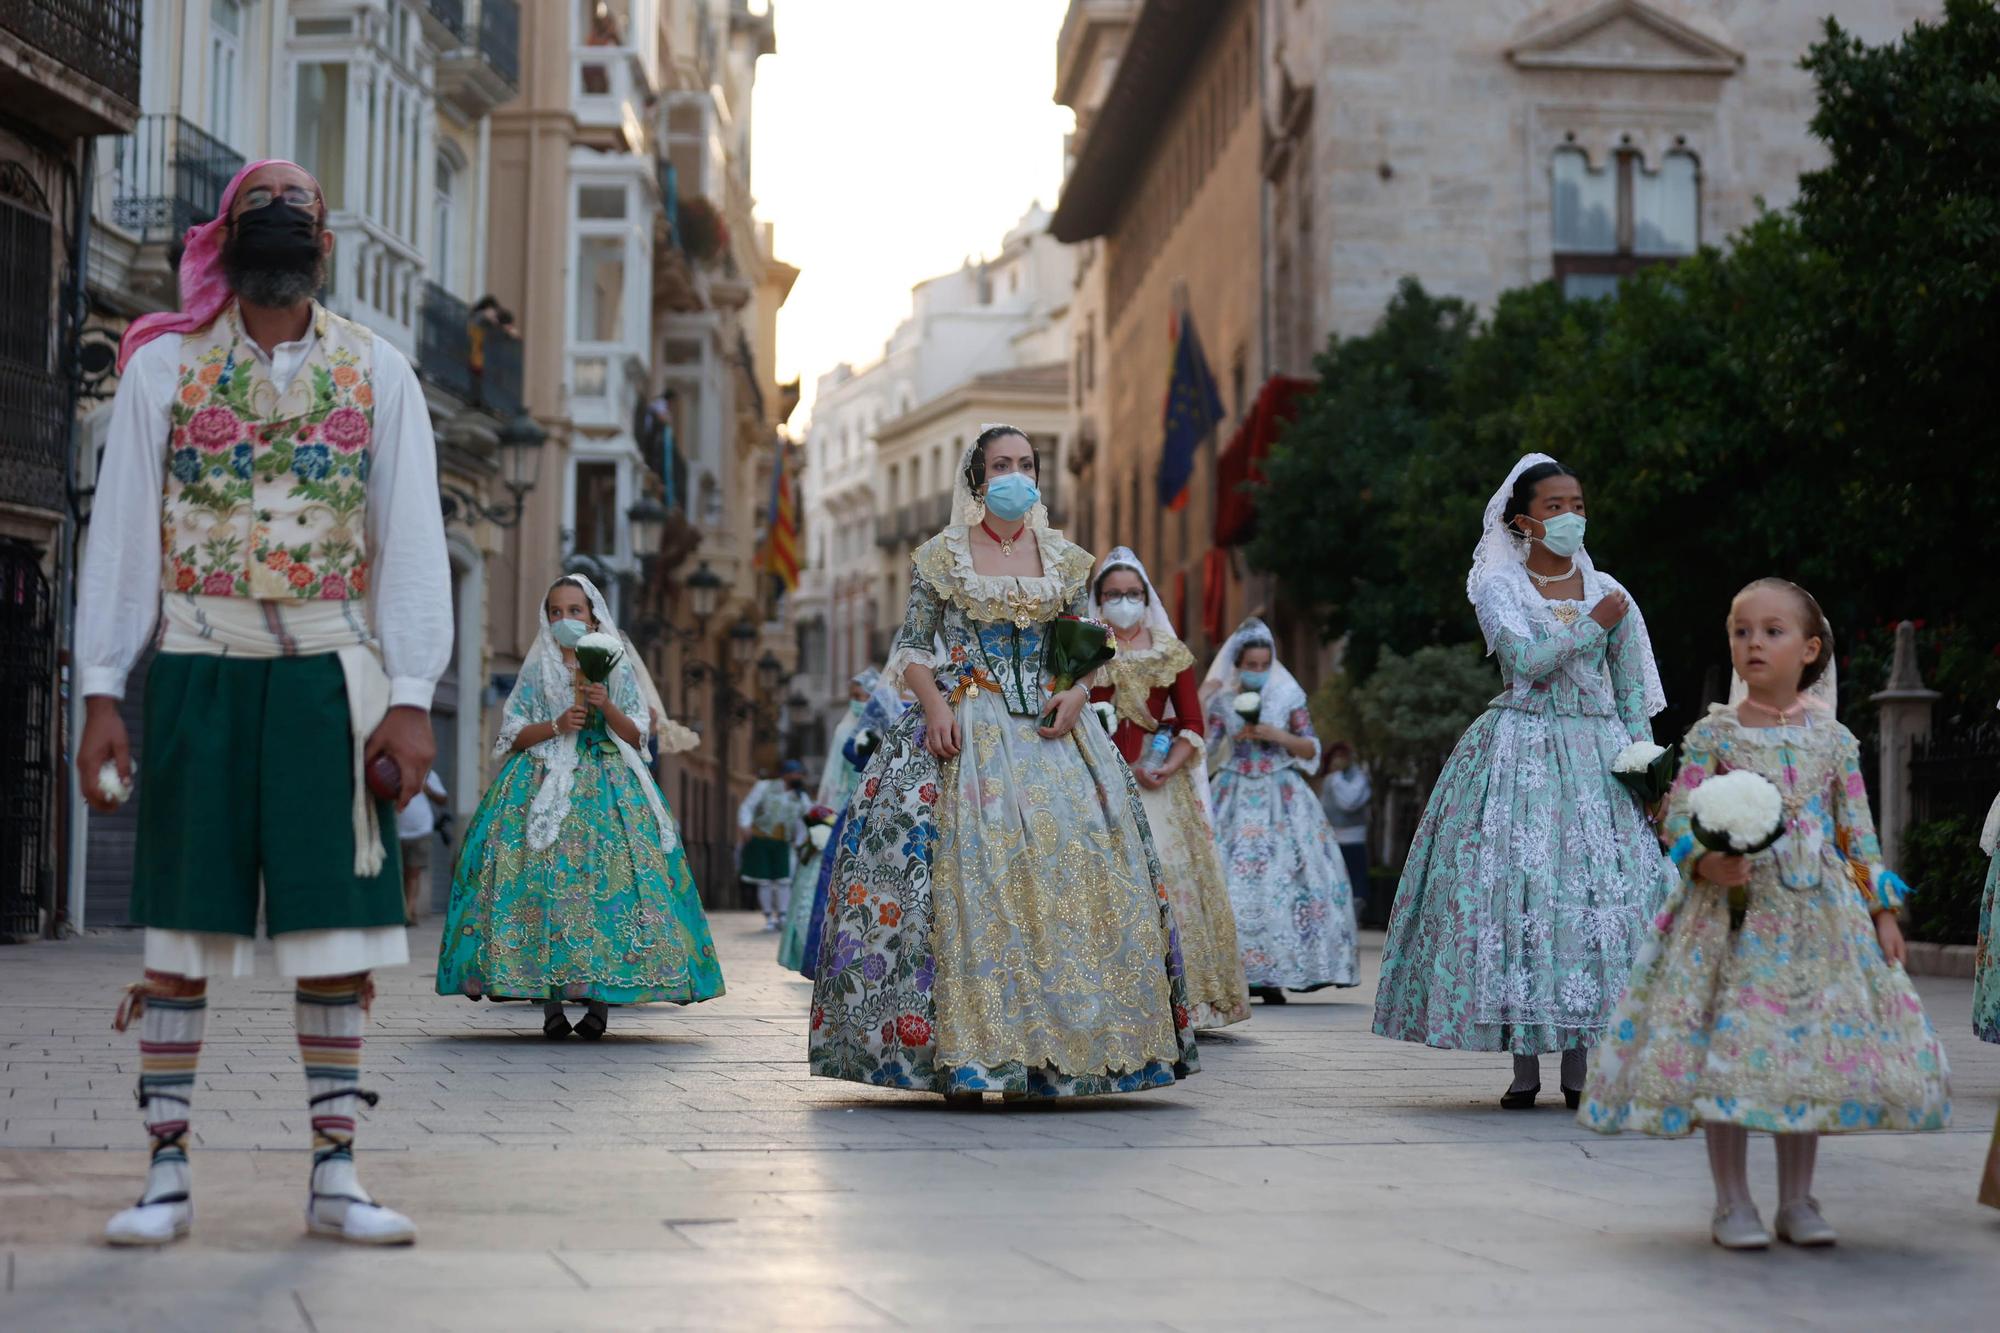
269,498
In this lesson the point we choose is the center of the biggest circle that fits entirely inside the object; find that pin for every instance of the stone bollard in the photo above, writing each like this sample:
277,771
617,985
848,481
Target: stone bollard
1903,717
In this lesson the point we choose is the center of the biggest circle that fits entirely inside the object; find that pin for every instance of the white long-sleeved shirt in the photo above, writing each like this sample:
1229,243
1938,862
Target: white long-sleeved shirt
410,571
1345,799
746,814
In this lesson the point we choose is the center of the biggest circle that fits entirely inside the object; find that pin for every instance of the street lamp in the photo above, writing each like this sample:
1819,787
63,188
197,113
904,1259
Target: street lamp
648,520
742,642
703,585
521,470
769,669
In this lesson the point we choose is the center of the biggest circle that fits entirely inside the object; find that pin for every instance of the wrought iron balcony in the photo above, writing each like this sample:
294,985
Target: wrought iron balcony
483,69
449,15
500,38
499,390
98,39
444,342
168,175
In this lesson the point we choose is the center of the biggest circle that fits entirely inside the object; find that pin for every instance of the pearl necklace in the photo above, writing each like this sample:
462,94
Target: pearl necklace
1544,580
1782,714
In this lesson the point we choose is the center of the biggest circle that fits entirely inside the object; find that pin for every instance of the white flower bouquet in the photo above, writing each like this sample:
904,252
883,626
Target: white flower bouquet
596,654
1738,813
114,787
819,835
1646,769
1249,704
1107,716
675,738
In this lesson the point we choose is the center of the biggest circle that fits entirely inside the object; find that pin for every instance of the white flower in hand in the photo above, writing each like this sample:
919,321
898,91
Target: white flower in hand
1637,757
113,786
1249,703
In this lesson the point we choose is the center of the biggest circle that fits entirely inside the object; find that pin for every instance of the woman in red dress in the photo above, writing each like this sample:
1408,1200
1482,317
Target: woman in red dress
1153,673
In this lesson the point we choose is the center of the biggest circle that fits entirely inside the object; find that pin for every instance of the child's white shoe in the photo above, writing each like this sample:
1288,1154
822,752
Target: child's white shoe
150,1223
1800,1223
1738,1227
337,1206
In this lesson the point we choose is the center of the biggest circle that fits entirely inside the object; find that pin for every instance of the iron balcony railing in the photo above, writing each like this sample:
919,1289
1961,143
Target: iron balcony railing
451,13
500,376
444,342
500,37
99,39
168,175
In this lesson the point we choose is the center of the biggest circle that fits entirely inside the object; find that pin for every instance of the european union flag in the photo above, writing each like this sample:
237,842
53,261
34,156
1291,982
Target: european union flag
1194,407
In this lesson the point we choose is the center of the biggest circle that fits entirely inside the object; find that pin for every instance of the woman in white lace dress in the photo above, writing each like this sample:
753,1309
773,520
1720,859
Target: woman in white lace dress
1534,875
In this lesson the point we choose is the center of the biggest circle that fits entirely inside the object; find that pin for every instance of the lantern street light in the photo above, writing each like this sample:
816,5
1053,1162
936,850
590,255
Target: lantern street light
648,520
521,442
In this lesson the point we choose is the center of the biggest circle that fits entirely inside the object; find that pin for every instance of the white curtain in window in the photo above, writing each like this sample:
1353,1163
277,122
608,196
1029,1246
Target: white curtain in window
225,67
320,127
1666,207
443,222
1585,204
600,288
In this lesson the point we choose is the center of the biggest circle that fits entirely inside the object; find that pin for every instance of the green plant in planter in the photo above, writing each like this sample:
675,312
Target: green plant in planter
703,233
1947,875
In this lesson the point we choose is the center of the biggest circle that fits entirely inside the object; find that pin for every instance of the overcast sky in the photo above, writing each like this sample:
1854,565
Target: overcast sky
893,138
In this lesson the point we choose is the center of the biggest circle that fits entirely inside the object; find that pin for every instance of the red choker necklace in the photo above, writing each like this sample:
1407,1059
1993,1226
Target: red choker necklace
1006,544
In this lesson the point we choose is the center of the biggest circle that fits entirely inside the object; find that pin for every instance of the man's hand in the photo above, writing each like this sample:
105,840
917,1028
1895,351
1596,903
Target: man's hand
104,742
405,736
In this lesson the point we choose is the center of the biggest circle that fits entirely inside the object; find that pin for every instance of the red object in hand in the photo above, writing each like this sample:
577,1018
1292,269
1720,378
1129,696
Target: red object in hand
385,778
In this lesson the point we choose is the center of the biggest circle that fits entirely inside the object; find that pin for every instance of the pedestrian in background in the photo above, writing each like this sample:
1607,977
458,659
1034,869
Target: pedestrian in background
1345,794
416,824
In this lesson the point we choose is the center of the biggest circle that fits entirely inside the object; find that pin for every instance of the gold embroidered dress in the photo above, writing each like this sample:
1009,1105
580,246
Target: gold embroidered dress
997,922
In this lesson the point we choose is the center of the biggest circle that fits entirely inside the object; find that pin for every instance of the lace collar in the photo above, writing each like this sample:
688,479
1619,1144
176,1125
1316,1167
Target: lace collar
945,563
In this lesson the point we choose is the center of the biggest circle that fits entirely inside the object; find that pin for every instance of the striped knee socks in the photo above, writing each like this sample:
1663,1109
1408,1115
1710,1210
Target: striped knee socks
170,1032
329,1024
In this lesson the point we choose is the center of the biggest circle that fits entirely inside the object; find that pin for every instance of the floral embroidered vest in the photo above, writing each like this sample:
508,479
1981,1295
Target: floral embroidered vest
266,492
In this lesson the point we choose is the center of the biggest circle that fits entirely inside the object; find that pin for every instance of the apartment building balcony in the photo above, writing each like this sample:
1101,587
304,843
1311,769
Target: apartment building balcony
167,175
608,92
479,65
71,66
474,362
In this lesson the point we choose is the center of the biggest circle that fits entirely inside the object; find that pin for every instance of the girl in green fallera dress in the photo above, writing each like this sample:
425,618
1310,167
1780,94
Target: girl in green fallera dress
572,884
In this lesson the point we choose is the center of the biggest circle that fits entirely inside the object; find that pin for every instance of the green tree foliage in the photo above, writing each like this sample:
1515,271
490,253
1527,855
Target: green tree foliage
1821,400
1405,717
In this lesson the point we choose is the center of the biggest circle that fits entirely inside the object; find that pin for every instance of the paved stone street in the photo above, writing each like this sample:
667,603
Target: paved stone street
686,1173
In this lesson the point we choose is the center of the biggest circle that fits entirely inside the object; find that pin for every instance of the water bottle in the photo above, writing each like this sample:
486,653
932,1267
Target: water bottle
1156,750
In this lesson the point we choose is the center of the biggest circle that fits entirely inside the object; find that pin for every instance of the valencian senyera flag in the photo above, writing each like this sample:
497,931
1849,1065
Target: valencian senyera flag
780,555
1194,407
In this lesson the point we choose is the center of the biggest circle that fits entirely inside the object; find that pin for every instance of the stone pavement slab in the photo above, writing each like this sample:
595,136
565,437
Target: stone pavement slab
685,1172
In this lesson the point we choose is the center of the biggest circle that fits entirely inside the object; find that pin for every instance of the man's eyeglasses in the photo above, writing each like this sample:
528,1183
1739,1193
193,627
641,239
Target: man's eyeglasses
262,196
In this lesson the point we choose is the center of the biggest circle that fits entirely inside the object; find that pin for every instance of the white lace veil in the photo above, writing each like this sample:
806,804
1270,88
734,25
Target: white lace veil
1124,557
544,690
968,509
1500,550
1283,695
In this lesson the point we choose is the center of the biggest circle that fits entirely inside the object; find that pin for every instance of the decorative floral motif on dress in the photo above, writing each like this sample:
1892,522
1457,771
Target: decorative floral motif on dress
1795,1023
997,922
1533,871
266,492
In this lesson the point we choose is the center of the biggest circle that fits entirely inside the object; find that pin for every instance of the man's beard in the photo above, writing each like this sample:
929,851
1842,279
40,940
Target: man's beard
280,288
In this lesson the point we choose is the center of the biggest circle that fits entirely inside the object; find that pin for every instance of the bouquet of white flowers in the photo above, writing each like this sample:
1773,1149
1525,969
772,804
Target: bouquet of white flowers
114,787
1249,704
1107,716
1646,769
1738,813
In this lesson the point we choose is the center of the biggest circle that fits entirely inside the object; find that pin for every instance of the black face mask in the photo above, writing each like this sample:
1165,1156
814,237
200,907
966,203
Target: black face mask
276,237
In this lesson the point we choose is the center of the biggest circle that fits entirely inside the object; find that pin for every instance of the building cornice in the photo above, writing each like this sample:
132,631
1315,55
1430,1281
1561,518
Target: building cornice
1167,39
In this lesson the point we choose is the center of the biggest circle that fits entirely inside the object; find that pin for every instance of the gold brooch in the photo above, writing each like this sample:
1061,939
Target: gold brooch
1564,612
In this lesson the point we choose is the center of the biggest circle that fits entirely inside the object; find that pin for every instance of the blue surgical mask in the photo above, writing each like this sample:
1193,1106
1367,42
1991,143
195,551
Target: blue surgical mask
569,633
854,707
1011,496
1252,680
1563,535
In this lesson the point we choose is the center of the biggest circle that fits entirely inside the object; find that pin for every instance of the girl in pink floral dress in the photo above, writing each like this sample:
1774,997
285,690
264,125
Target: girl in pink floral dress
1800,1021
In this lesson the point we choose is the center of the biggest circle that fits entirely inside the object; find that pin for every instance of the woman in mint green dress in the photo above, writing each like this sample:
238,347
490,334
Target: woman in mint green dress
572,884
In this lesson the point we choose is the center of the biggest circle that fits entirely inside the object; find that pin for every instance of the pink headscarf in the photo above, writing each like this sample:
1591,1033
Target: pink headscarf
204,289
